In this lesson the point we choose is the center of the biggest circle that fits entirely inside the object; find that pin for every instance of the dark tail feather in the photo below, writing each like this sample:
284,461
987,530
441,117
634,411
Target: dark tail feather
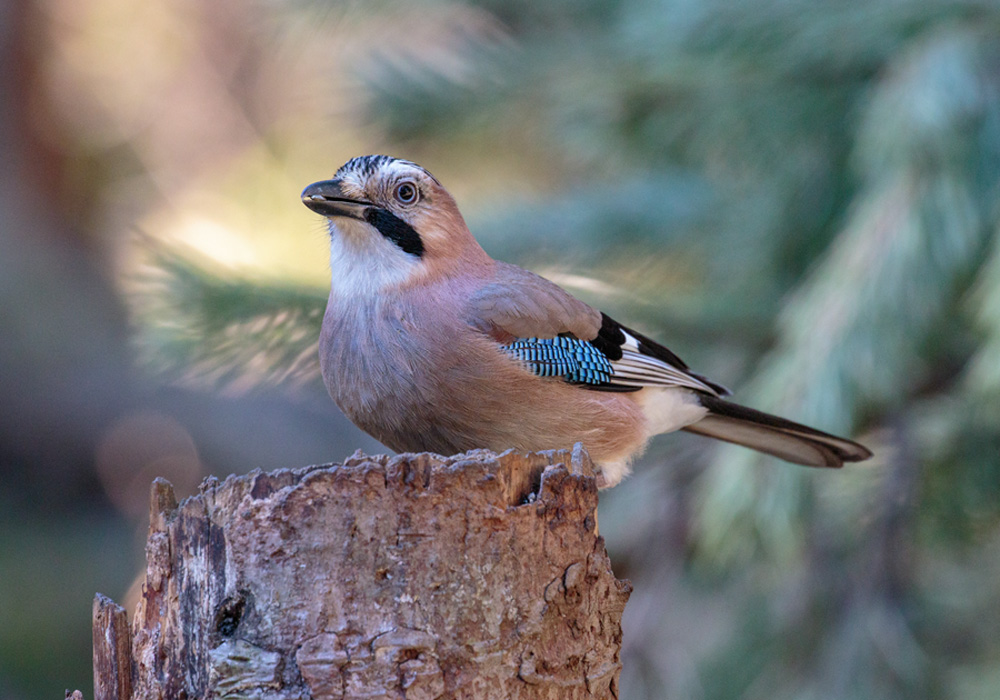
775,436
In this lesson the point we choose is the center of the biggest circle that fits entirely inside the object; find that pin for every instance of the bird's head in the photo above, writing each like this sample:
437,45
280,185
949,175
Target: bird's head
391,222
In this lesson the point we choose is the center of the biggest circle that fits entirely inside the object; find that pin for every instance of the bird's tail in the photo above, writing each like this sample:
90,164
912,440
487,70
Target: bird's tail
775,436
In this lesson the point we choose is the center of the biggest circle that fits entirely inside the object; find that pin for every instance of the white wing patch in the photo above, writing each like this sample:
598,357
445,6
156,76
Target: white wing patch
638,369
643,370
630,342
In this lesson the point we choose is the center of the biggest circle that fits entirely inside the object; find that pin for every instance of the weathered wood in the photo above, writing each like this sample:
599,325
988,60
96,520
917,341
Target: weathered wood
112,653
417,576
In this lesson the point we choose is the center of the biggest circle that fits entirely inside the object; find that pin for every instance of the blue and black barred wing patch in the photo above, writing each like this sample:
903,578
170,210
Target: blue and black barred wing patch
576,361
618,359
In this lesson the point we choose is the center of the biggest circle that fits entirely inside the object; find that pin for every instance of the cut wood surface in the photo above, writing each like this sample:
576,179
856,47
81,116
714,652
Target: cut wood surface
415,576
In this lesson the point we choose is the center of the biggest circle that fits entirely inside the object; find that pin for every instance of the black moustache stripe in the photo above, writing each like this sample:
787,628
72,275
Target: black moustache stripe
396,230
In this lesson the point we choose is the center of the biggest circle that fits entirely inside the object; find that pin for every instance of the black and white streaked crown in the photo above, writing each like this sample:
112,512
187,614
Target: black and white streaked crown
367,166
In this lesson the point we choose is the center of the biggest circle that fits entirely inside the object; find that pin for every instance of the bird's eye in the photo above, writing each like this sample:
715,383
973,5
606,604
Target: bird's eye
406,193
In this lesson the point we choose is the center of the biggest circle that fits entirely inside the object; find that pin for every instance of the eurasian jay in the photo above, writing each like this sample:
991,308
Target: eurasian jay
428,344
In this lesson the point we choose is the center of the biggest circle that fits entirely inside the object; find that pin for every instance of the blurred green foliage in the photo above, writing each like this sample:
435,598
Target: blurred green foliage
799,198
204,326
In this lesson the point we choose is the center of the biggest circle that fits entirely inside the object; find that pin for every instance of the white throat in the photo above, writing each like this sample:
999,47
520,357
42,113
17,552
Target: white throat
363,262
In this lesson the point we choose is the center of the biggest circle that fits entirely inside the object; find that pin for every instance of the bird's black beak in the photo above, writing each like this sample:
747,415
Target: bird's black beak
328,198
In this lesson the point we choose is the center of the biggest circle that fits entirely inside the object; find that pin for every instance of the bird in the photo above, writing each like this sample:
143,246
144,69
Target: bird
428,344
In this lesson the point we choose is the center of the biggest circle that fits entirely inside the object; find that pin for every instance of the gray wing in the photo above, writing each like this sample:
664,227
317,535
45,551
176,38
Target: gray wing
556,334
525,305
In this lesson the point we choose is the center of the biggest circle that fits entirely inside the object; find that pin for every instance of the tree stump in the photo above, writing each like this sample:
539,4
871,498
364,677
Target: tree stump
416,576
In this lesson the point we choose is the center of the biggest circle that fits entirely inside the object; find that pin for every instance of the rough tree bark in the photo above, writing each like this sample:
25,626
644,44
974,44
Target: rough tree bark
416,576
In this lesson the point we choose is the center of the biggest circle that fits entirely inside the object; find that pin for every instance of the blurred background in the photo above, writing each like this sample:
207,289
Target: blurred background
799,198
